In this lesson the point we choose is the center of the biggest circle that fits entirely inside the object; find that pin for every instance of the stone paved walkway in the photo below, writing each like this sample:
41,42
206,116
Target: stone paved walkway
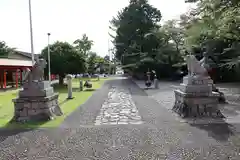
118,108
160,137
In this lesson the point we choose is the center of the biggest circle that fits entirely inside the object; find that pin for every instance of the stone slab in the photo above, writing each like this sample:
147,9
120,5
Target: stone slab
44,84
201,100
33,92
33,99
197,94
203,88
197,80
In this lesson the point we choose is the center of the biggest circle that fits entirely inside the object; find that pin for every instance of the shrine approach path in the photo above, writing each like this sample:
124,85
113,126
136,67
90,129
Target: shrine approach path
120,122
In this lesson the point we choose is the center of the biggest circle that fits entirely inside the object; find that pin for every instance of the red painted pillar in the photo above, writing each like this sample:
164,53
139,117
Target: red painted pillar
16,78
12,78
21,76
1,79
4,79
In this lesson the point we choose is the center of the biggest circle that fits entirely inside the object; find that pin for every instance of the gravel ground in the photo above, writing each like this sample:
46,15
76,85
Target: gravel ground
161,136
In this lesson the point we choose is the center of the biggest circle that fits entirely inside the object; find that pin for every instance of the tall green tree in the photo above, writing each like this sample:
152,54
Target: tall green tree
173,33
131,25
65,59
92,62
215,20
83,45
5,50
213,27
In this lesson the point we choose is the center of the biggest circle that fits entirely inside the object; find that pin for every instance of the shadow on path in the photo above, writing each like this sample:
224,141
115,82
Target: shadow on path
219,131
89,90
13,128
134,89
6,132
230,109
63,102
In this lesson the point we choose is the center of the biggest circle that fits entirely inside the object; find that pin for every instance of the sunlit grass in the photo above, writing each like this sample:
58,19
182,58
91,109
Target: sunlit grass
67,106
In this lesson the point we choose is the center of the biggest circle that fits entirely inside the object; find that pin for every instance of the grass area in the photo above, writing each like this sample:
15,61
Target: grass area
67,106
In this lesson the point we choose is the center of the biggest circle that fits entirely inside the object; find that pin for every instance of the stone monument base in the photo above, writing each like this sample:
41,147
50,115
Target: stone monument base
189,105
36,108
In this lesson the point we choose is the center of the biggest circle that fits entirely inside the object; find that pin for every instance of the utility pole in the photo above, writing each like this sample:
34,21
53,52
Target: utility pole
109,54
49,60
31,30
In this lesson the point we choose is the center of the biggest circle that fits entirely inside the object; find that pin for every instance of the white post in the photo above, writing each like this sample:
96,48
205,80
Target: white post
155,81
69,82
109,54
49,60
31,31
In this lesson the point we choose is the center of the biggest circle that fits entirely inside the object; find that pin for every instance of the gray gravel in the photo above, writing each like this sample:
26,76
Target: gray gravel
162,135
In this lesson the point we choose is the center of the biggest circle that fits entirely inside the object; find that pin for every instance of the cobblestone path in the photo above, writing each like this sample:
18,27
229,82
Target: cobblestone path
118,108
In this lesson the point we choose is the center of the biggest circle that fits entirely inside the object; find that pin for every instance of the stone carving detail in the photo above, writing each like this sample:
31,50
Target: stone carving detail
195,97
194,66
37,72
37,101
207,62
204,62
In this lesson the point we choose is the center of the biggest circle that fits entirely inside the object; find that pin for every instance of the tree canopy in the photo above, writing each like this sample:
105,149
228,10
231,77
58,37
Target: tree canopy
65,59
132,24
83,45
212,27
73,58
5,50
140,41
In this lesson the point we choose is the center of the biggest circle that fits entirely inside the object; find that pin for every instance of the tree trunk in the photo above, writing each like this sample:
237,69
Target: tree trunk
61,79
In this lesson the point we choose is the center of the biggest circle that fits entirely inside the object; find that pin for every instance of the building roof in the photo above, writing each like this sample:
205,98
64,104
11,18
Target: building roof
5,62
27,54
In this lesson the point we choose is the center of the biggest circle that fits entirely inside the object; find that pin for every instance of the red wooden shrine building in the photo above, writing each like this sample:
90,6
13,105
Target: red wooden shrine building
12,69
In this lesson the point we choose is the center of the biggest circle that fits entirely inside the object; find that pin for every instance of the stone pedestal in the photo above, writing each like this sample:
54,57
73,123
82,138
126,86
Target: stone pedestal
196,99
36,102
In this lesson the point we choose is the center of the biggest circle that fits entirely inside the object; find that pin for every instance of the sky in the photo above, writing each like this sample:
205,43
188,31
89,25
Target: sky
67,20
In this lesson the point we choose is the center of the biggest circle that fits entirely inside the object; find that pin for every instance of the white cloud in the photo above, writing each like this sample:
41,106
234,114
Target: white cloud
67,20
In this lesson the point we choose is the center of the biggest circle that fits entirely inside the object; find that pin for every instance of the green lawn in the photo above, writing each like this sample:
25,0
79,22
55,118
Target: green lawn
67,106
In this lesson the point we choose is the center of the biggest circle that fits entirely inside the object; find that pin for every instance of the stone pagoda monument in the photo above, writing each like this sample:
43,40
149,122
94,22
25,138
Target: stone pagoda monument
37,101
195,97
